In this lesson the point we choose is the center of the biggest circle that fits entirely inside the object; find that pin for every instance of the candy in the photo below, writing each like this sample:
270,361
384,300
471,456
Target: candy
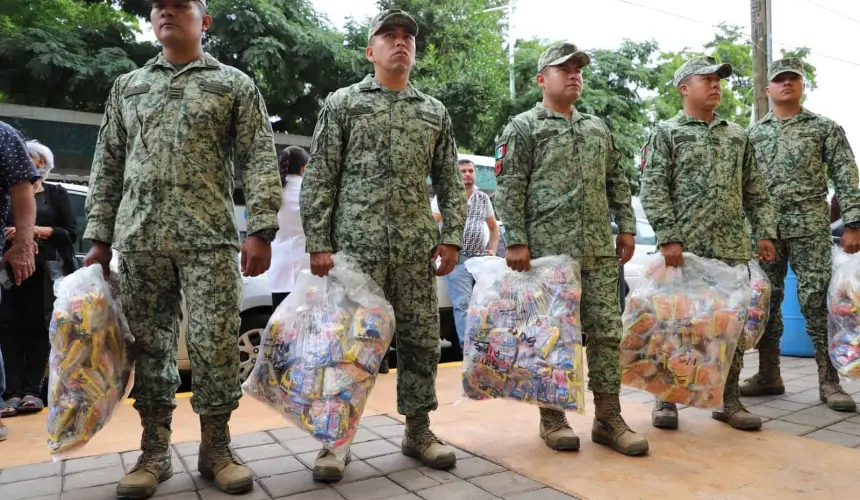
328,340
681,328
90,363
759,307
523,338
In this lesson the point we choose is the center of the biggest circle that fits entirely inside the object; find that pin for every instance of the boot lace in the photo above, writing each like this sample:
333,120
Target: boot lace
219,445
421,432
554,419
665,405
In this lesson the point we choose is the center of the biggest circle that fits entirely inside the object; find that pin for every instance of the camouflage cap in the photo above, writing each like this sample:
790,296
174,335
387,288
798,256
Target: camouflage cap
560,53
392,17
201,2
786,65
702,65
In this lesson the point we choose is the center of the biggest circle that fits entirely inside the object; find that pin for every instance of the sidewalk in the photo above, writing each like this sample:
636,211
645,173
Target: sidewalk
500,453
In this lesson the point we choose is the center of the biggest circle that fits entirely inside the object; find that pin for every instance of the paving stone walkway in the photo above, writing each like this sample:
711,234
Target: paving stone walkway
799,411
281,460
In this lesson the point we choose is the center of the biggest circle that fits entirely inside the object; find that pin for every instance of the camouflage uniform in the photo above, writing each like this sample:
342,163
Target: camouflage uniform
161,193
796,157
558,180
699,181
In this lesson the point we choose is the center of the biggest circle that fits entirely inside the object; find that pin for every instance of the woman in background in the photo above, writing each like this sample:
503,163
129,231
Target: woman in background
26,309
288,249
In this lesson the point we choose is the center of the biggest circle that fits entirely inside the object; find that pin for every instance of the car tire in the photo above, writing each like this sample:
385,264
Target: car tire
250,334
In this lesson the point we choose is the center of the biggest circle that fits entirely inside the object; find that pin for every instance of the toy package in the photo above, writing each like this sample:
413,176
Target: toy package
91,365
759,308
524,337
843,325
321,352
681,328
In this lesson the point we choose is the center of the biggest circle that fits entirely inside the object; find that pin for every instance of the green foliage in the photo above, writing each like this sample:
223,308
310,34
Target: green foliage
65,53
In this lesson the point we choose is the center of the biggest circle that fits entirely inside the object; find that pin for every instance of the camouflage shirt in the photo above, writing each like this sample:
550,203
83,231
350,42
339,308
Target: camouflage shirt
365,188
162,175
557,181
796,157
700,180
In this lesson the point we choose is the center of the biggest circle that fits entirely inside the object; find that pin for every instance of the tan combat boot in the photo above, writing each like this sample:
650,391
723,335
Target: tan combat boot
767,382
611,430
329,466
216,461
556,432
664,415
154,464
733,412
420,442
829,389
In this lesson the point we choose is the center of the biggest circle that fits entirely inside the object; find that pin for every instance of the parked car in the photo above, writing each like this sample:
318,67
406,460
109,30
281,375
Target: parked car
256,299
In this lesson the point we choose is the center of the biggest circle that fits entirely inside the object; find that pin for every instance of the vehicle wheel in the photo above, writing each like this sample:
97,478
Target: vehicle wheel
250,334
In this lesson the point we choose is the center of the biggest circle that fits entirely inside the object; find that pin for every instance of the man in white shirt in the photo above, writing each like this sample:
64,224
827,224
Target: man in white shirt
480,238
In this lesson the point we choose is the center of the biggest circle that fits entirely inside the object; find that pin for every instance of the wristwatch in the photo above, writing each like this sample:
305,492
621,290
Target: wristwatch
267,235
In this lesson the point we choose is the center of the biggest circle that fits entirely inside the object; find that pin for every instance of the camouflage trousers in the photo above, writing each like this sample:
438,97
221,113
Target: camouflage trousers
211,282
601,322
810,258
411,290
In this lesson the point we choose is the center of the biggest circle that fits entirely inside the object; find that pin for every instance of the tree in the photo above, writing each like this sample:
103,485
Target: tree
295,56
66,53
729,45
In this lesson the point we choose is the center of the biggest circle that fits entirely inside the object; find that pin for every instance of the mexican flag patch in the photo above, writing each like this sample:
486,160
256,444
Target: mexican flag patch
644,153
501,152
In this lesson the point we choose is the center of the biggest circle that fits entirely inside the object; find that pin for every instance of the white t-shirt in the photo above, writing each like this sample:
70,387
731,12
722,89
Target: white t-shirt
434,206
288,248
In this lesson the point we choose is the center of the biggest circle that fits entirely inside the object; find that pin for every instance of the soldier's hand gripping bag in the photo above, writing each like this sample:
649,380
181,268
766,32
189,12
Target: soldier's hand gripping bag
759,309
91,361
321,351
524,336
843,325
681,328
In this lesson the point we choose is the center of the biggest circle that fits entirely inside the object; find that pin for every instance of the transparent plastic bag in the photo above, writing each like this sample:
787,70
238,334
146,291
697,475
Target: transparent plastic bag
321,352
91,361
524,336
843,324
759,309
681,329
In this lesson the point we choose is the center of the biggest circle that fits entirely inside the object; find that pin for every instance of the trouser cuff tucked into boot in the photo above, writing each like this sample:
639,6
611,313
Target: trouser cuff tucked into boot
611,430
216,461
829,390
420,442
556,432
154,464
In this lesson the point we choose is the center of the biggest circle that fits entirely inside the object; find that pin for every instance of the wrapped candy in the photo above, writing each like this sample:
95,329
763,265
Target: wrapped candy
759,309
91,366
681,327
524,338
321,351
843,325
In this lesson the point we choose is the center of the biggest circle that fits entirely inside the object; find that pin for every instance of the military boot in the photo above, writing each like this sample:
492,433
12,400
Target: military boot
556,432
733,412
154,464
216,461
829,389
767,382
611,430
420,442
664,415
329,466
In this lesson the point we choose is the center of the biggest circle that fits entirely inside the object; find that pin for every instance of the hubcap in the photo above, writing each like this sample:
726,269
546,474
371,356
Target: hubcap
249,348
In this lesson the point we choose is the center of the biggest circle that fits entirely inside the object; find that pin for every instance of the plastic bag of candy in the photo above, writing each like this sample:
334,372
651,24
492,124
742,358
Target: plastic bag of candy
759,308
321,352
91,363
843,325
681,328
524,337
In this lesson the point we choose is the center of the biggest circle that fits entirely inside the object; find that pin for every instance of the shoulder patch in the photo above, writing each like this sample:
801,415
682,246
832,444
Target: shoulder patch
501,152
644,154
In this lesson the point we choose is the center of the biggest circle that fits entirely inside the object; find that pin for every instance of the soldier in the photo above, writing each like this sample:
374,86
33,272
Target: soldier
797,151
559,176
700,179
365,194
161,192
